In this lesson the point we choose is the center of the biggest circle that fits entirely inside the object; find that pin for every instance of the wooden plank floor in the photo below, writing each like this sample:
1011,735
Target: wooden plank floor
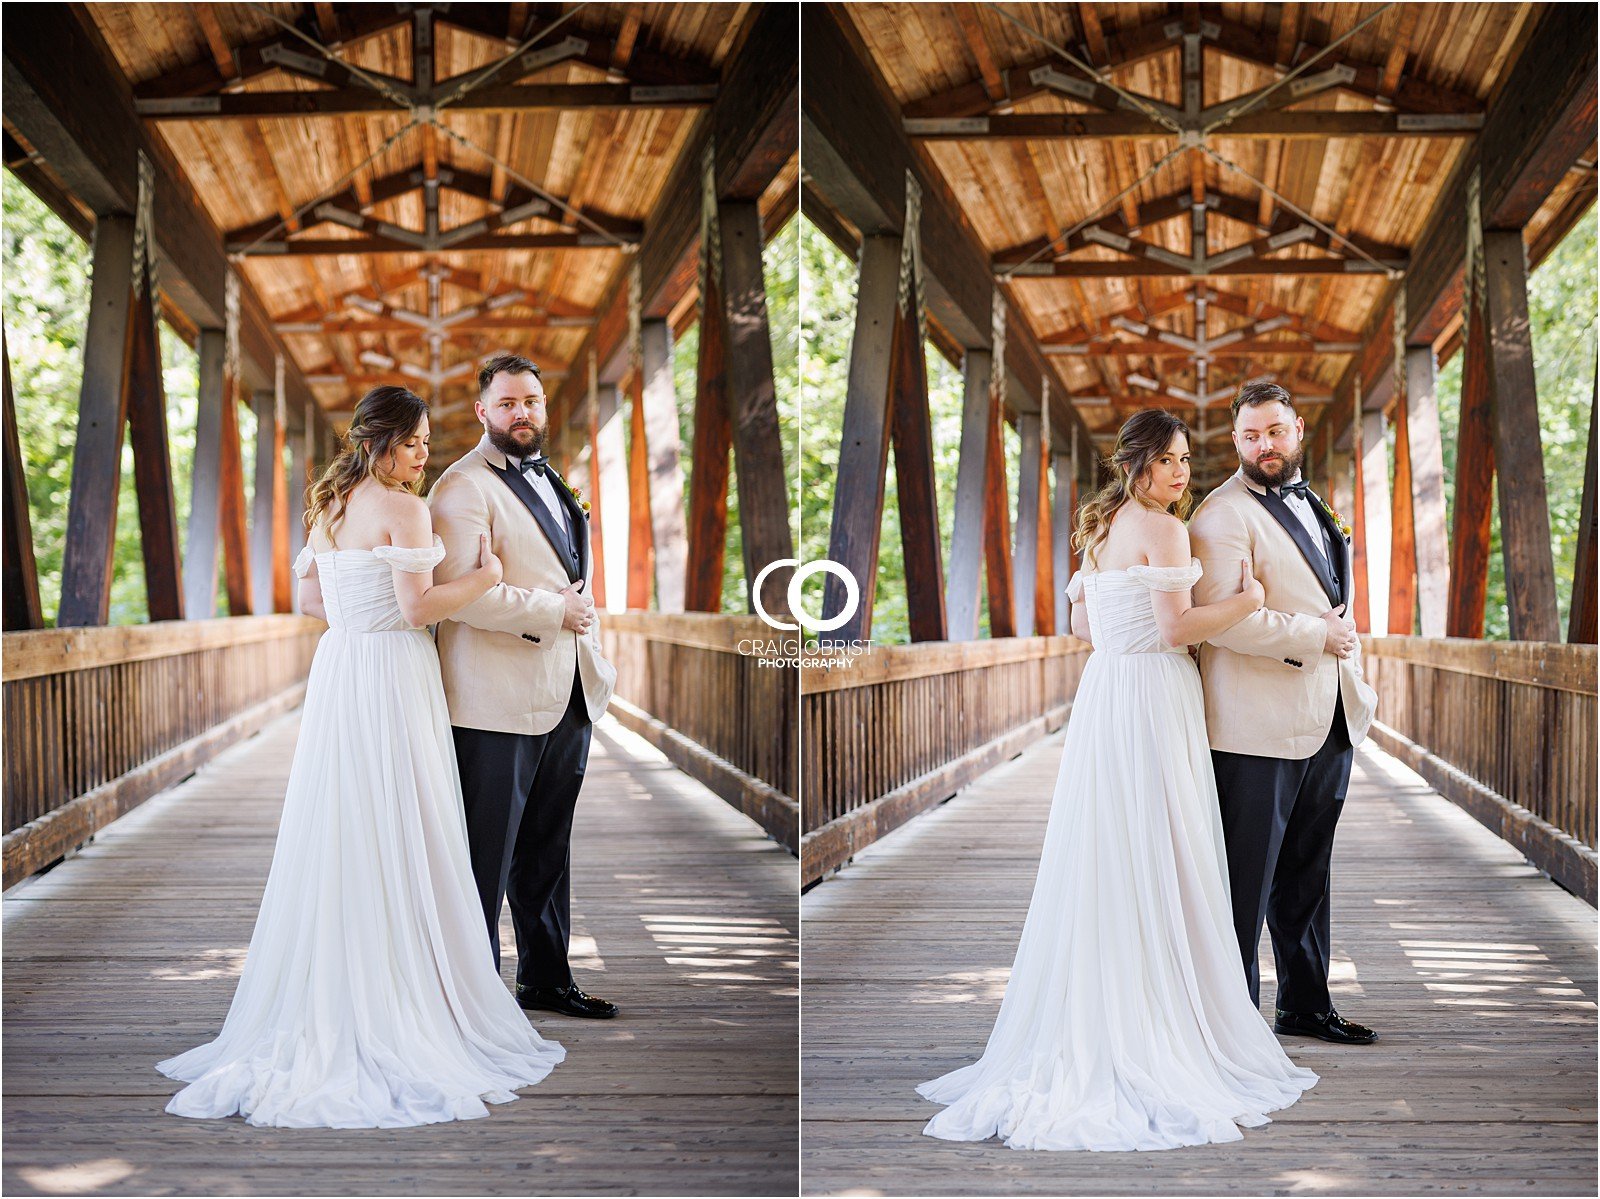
1478,973
684,913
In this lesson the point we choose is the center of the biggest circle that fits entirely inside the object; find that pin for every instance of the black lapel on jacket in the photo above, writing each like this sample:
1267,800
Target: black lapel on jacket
579,519
1308,549
553,532
1340,547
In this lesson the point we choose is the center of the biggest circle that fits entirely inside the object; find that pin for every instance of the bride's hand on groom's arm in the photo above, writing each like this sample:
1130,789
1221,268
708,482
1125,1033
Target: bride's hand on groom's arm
461,519
1221,541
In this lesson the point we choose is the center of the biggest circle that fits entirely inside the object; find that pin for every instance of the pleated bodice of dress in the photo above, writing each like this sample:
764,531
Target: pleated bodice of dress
358,585
1122,616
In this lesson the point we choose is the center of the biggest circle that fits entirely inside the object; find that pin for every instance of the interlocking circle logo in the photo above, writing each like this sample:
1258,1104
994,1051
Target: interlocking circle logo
820,566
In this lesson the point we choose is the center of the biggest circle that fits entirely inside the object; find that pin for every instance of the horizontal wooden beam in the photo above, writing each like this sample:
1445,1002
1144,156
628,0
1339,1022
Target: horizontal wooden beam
362,101
1246,267
301,247
379,324
1107,347
1093,125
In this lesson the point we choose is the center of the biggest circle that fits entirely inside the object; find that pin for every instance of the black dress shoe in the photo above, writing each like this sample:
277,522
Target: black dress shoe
568,1000
1325,1026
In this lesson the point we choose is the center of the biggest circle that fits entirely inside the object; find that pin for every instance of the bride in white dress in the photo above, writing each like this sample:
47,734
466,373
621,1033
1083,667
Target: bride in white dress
1127,1022
369,997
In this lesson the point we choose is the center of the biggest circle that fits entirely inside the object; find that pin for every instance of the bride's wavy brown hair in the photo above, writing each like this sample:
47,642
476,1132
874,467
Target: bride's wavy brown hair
1143,438
384,418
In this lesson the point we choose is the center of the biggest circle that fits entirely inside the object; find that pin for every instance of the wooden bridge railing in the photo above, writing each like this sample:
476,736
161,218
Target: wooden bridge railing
97,720
904,726
1506,729
722,715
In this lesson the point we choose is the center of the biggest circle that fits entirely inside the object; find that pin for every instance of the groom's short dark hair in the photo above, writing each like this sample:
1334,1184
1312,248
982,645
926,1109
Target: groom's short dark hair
505,364
1260,392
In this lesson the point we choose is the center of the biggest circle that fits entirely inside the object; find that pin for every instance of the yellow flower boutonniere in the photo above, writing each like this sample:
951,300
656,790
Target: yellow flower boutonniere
1343,525
577,494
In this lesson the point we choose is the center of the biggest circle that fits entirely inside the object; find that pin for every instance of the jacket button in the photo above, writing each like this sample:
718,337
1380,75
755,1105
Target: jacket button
529,637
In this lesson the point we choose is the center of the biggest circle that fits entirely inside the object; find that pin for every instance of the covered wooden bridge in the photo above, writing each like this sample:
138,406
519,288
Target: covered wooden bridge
1093,208
319,198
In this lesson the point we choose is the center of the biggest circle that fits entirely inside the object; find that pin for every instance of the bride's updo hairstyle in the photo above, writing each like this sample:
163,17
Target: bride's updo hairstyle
384,419
1143,438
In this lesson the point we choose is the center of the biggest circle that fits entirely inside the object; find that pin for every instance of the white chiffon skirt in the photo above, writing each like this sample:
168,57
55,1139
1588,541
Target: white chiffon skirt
1127,1022
369,996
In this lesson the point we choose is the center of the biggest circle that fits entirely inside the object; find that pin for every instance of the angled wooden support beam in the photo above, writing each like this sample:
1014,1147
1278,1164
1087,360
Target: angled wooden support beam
1519,460
752,403
859,478
911,435
1582,616
641,63
152,462
19,585
708,482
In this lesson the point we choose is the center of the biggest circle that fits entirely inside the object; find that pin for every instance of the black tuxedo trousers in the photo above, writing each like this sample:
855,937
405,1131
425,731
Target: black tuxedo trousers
1278,818
520,791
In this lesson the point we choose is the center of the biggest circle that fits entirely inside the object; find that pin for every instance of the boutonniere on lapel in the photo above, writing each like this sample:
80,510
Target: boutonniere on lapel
577,494
1339,521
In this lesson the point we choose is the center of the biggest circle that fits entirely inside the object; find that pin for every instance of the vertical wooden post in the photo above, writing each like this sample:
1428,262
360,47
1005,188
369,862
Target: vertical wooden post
911,434
1519,458
1025,550
966,536
1061,536
20,583
282,560
641,550
753,404
1474,482
1361,588
668,535
997,526
264,501
1402,529
300,466
102,413
1581,618
1427,486
708,482
152,460
1044,584
1375,504
235,527
612,512
594,483
205,481
864,443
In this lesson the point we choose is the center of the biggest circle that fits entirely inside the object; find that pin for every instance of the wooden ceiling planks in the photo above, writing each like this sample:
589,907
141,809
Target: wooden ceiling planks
1379,190
258,172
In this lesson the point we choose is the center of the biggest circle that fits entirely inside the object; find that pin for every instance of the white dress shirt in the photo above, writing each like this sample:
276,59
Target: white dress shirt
1301,507
546,491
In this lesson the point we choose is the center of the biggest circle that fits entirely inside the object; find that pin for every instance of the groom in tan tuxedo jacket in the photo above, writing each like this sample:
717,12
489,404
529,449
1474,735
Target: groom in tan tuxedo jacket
523,676
1285,704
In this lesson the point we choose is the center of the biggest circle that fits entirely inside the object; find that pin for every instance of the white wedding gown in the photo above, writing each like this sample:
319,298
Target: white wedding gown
1126,1022
369,996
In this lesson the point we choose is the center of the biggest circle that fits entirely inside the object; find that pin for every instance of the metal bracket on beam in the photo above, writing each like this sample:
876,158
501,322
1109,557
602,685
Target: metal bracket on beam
179,106
926,126
673,93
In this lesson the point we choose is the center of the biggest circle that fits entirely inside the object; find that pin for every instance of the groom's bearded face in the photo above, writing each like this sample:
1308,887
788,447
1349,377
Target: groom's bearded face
512,410
1270,439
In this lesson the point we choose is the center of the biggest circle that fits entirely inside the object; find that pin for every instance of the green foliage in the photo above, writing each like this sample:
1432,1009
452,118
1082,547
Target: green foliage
1562,309
45,307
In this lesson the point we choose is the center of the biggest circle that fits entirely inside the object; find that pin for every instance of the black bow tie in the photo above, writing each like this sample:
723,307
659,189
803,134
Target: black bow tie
536,465
1300,488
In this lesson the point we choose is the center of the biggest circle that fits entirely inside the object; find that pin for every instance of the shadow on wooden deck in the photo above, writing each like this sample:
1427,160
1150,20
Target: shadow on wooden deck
1478,972
683,912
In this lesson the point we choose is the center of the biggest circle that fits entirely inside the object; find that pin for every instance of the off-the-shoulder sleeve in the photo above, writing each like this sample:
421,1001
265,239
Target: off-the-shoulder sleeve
413,560
302,564
1075,586
1168,578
